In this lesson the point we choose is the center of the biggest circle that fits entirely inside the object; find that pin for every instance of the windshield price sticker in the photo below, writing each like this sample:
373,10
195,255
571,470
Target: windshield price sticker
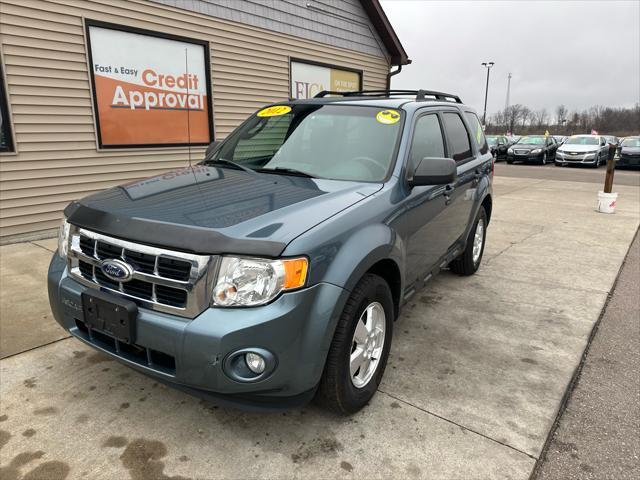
388,117
274,111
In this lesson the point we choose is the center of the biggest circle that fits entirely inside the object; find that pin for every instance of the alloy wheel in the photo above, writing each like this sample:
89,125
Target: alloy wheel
367,345
478,240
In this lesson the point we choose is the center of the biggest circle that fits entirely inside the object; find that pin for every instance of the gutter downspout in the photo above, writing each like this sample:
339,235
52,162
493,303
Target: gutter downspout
391,74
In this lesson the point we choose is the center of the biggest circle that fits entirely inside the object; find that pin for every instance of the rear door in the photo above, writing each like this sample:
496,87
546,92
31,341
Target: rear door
467,145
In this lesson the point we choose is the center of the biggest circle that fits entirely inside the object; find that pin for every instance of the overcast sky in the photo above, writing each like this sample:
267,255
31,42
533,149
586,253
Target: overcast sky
576,53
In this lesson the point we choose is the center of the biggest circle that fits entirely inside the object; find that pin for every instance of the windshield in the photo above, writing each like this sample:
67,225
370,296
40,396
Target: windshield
491,140
531,141
582,141
631,142
337,142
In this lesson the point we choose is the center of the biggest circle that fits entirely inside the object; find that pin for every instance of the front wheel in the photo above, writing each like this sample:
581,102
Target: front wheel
469,261
544,159
509,161
360,348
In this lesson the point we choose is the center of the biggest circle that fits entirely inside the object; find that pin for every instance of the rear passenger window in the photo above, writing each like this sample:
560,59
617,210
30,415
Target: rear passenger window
458,136
478,134
427,140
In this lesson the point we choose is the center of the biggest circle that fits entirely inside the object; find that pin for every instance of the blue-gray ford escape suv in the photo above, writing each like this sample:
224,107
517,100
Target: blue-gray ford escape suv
273,271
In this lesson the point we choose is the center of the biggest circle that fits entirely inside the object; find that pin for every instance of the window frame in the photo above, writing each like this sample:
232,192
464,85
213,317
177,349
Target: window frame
7,125
417,118
474,148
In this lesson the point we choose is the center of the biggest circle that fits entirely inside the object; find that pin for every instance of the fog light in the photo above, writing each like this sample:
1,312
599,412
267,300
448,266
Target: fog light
255,362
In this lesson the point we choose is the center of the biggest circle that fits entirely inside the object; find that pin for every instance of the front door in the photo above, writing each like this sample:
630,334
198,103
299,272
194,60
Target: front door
425,219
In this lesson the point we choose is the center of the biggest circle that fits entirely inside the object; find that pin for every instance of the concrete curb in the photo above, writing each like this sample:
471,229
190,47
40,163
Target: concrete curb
578,371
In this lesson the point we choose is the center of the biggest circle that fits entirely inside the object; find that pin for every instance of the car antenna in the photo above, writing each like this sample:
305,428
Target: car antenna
186,67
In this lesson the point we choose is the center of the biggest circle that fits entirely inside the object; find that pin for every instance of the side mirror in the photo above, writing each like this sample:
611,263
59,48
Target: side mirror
212,146
434,171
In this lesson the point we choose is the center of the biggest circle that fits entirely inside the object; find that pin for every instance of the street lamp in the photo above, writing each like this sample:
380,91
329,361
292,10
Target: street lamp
488,66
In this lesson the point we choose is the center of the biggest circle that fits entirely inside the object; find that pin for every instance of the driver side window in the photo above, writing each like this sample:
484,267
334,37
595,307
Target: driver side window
427,140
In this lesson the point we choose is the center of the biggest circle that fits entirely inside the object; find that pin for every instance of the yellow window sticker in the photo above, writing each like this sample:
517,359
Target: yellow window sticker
388,117
479,133
274,111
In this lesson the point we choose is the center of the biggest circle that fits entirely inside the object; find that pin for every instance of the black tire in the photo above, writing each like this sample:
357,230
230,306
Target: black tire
558,164
336,391
543,160
464,264
596,162
509,161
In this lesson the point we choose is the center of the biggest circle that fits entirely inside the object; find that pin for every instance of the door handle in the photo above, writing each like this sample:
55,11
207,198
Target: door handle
448,188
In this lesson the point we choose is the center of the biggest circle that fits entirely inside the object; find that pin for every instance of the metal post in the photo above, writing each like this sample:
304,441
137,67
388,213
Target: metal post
488,66
611,166
506,104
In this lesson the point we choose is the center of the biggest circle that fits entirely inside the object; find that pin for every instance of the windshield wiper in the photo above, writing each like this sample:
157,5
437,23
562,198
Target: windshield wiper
230,163
290,171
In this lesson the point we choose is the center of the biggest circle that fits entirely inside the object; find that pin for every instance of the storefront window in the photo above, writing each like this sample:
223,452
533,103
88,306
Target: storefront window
6,139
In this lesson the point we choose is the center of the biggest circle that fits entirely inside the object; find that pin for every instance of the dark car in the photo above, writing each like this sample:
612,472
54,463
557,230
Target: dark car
273,271
628,154
498,145
533,148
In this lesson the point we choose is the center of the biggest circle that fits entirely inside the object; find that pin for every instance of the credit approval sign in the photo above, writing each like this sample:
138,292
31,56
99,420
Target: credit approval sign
149,90
310,78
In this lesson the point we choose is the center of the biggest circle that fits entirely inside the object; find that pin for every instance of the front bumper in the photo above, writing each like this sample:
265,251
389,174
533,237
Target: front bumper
297,328
628,161
524,157
582,158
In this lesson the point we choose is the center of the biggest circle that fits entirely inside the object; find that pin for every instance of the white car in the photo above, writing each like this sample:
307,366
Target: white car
583,149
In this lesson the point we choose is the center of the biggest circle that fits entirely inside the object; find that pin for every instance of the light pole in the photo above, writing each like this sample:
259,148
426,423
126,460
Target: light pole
488,66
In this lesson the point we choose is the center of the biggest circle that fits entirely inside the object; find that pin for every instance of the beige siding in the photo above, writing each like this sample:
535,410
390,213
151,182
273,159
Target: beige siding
50,98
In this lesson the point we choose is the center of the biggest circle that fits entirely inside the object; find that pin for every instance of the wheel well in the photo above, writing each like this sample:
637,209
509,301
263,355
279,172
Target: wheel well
487,203
389,271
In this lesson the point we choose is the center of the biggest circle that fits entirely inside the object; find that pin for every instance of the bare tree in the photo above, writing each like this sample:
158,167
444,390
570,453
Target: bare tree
609,120
525,116
561,114
540,117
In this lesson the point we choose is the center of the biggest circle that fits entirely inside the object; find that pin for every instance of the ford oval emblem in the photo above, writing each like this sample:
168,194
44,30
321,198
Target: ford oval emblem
117,270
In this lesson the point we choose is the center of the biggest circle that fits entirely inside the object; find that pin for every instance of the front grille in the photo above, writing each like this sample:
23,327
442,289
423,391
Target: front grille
521,152
148,357
162,279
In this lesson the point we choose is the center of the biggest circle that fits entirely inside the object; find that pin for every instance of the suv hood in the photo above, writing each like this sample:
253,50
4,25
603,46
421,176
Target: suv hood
209,210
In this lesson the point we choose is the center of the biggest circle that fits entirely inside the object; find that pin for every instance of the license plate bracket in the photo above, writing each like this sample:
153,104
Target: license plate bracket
110,315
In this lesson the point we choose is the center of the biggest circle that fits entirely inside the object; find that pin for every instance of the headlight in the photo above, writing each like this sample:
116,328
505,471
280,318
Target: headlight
509,150
537,150
63,238
247,282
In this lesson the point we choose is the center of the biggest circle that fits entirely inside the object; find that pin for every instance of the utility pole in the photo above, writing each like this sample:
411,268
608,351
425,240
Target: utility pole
488,66
506,104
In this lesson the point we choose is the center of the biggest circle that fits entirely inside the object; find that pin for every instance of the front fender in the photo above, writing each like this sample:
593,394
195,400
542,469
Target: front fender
345,259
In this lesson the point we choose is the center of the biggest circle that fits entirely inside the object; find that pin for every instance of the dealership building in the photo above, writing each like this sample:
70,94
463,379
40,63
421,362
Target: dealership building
95,93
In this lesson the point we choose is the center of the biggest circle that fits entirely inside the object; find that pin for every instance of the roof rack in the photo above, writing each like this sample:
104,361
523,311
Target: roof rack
420,94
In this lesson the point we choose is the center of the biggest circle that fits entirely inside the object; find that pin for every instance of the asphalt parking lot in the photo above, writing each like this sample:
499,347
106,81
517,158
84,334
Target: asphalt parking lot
478,369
